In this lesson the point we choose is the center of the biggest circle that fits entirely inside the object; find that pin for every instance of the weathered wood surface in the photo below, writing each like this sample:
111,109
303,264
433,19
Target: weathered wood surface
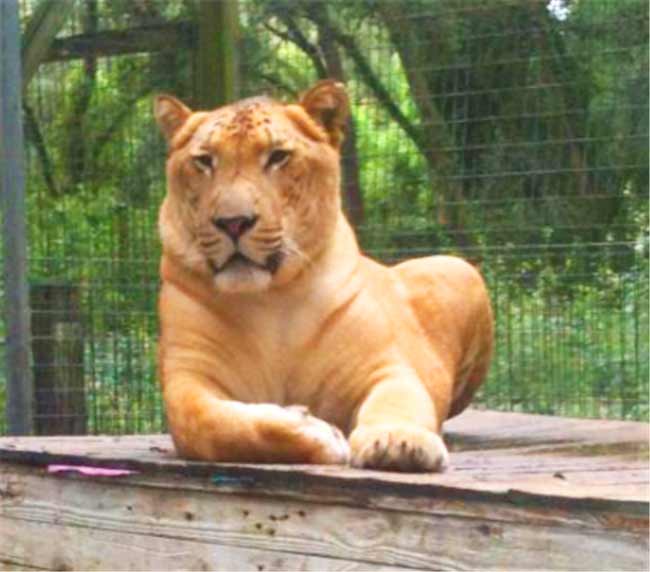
491,452
523,492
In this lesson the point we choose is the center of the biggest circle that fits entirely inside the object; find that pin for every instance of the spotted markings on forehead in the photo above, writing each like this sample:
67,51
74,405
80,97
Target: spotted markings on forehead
204,129
238,119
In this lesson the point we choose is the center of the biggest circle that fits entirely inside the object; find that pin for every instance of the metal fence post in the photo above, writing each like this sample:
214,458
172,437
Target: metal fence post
12,180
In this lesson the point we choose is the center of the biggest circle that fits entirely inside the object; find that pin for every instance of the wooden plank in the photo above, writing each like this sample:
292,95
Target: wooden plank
142,526
522,492
472,431
8,566
512,508
14,230
42,28
477,430
496,475
549,464
106,43
80,548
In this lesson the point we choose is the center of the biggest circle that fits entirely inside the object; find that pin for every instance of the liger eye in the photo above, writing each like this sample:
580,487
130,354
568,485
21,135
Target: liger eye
277,158
203,162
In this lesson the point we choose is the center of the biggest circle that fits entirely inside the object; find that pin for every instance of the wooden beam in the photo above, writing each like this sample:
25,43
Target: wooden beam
145,39
14,240
143,523
42,28
217,56
522,492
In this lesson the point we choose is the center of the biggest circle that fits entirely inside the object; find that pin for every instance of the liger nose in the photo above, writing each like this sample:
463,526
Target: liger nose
235,226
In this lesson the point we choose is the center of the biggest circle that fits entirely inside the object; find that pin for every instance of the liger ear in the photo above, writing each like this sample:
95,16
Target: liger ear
327,102
170,114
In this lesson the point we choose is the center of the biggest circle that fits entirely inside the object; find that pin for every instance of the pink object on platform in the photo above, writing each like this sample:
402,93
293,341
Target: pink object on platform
89,471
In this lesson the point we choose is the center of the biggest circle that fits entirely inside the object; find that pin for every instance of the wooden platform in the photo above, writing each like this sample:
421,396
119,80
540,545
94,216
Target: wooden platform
524,492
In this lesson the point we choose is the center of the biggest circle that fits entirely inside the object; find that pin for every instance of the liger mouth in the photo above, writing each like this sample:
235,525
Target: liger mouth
238,259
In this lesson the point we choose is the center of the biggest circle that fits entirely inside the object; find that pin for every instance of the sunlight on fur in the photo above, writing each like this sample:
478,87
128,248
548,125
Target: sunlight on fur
280,342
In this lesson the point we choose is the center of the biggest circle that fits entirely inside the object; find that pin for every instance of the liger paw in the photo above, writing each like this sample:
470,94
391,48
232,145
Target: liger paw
330,445
293,435
395,447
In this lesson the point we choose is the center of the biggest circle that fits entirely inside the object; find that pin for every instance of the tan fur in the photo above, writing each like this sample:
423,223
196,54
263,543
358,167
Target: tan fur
382,355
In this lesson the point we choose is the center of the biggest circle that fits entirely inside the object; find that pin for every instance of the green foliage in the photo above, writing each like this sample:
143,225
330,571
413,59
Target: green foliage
505,132
580,352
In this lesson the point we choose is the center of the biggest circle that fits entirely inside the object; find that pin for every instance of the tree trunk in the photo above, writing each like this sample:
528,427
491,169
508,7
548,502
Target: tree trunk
58,350
350,160
415,42
76,152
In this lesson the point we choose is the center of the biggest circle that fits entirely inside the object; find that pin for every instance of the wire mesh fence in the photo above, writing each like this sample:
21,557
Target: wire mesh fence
513,133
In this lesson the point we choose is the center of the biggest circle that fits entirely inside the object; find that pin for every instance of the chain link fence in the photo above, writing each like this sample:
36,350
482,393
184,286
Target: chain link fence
513,133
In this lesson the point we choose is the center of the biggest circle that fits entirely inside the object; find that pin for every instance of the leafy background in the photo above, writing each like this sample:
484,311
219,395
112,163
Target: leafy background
513,133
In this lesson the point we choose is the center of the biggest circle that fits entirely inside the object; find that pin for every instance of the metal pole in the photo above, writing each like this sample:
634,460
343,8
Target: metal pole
12,186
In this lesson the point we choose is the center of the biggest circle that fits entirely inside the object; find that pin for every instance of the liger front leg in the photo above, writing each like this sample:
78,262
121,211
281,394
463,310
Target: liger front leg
208,427
397,428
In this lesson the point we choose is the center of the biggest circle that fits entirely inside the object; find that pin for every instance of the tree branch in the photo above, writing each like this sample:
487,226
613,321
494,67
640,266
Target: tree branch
279,84
295,35
76,148
381,93
105,43
101,140
39,34
36,138
319,13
